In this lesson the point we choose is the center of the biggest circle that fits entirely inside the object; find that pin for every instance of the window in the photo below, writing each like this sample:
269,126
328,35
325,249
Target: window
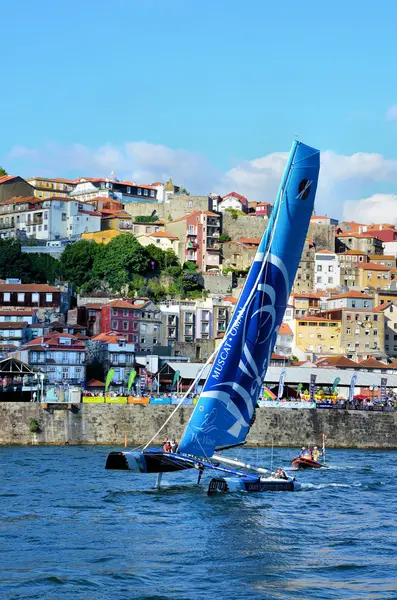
65,373
375,317
386,336
21,297
125,312
142,340
48,297
63,216
125,325
6,297
128,189
139,192
114,324
366,304
45,214
190,204
115,312
367,332
146,192
331,269
348,330
35,297
154,340
319,268
376,332
395,337
191,228
78,371
152,193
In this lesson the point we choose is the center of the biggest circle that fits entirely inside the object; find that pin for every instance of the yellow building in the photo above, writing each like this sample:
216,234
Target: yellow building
101,237
372,275
318,335
45,187
161,239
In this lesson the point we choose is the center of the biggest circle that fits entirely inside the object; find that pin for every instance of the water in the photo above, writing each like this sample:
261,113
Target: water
70,530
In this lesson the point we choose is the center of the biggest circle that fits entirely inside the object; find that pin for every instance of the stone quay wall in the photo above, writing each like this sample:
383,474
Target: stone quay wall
109,423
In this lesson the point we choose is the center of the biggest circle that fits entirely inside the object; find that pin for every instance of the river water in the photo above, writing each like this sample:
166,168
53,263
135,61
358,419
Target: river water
71,530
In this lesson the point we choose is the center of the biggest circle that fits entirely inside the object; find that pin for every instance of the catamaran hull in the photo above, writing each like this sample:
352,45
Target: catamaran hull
241,484
147,462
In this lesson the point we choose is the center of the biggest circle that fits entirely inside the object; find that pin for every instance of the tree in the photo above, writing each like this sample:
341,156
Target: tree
163,258
77,261
31,268
3,172
224,237
122,258
146,219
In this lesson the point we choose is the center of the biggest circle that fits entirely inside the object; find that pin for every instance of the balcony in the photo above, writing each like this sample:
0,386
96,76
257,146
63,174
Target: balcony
193,232
214,247
212,234
192,245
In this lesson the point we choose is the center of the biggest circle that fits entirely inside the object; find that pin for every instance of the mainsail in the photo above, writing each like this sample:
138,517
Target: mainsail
225,410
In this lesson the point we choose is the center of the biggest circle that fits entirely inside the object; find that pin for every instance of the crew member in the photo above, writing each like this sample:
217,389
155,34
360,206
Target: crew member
281,474
315,453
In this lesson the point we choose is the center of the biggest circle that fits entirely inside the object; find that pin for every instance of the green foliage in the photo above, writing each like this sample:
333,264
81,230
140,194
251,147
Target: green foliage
31,268
184,191
34,426
190,266
163,258
77,261
3,172
146,219
224,237
234,212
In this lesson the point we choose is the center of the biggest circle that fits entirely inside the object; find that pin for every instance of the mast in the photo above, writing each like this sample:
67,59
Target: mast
225,410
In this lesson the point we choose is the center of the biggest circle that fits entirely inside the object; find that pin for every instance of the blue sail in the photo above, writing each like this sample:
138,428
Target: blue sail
224,412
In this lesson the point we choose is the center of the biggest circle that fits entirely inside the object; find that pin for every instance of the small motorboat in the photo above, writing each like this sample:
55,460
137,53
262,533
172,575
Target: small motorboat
303,462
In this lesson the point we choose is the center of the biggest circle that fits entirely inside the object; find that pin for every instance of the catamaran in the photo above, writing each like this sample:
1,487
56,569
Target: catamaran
225,410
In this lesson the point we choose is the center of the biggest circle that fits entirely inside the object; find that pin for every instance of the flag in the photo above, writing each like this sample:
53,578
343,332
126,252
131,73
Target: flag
281,384
131,380
352,384
176,377
312,388
109,378
383,391
335,384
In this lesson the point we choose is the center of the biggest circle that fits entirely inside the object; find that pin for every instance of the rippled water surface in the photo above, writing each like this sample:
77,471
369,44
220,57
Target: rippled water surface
71,530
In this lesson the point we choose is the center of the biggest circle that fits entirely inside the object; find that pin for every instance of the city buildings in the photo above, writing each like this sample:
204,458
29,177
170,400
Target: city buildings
112,351
327,270
240,253
12,186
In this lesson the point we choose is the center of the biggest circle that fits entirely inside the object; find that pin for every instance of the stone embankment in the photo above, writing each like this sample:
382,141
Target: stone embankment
108,424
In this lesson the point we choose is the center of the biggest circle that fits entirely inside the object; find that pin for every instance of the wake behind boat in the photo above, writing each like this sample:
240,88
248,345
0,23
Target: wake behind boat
225,410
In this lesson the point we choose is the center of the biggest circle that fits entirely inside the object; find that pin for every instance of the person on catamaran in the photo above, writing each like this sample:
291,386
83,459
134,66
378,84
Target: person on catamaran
174,446
316,453
281,474
166,445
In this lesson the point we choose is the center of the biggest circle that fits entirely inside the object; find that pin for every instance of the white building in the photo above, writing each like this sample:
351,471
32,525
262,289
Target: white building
47,219
326,270
285,340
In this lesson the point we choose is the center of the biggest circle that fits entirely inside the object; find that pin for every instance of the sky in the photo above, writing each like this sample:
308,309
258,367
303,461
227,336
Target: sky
210,92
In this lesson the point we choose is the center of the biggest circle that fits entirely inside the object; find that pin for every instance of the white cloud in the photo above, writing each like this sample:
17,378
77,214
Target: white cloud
391,114
345,184
379,208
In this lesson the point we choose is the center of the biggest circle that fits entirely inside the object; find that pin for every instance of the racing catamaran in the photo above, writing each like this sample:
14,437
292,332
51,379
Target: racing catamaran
225,410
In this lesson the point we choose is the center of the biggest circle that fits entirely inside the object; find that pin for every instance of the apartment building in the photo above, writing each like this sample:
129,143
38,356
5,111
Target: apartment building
373,275
14,333
385,260
366,242
239,254
350,299
112,351
306,304
119,317
361,331
284,341
12,186
317,335
32,296
60,356
327,270
149,319
127,192
45,187
160,239
198,233
50,219
389,311
348,262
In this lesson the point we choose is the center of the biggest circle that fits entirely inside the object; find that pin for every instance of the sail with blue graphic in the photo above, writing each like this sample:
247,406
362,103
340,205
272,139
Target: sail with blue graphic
225,410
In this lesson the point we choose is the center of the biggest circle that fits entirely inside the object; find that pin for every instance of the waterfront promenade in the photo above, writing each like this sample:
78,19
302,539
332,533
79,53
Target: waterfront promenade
110,423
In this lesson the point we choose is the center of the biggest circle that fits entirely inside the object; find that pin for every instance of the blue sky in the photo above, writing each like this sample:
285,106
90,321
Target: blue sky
209,84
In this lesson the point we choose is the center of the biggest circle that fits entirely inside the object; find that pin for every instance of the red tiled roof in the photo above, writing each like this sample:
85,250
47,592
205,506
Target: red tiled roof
324,252
28,312
230,299
95,383
27,287
372,267
351,294
7,178
382,257
120,304
93,213
13,325
382,307
311,295
285,329
317,319
195,212
372,363
336,361
250,241
278,357
235,195
161,234
94,306
355,252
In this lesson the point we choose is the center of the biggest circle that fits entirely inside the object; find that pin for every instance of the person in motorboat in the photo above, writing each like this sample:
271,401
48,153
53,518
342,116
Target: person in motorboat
281,474
315,453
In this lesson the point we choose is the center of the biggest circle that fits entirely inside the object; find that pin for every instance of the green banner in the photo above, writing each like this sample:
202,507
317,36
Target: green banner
335,384
176,377
299,388
131,379
109,378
